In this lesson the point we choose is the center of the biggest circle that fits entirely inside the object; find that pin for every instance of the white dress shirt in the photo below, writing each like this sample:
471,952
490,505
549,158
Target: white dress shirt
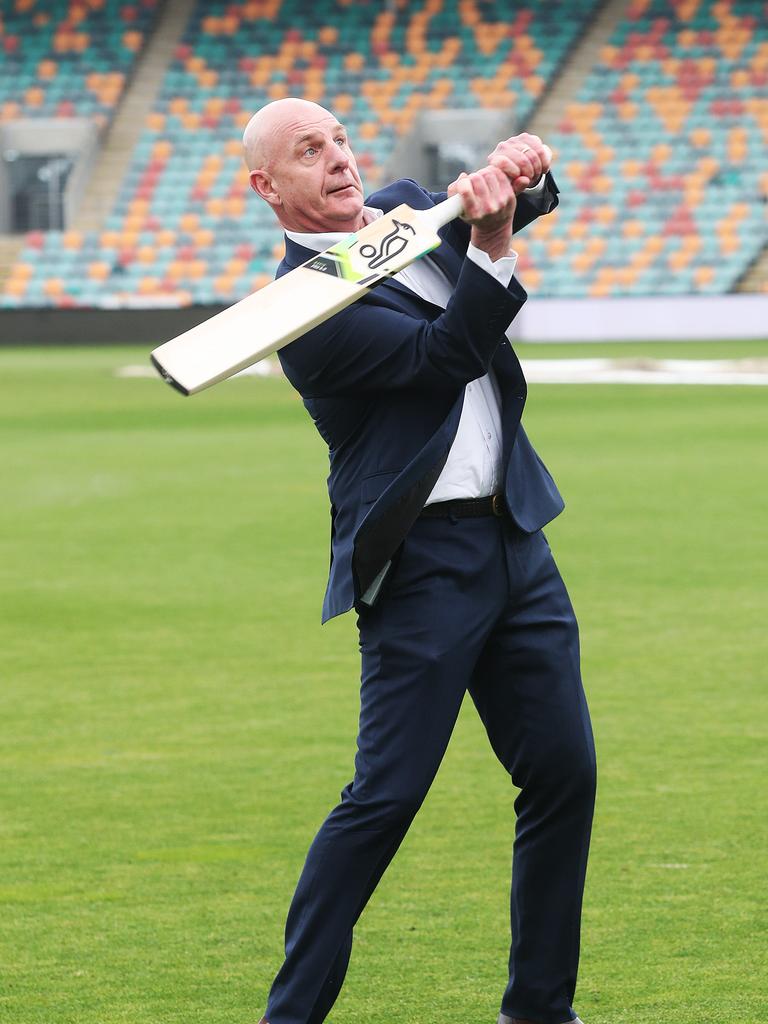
473,467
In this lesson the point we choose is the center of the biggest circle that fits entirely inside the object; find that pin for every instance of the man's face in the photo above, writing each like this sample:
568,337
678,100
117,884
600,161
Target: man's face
313,174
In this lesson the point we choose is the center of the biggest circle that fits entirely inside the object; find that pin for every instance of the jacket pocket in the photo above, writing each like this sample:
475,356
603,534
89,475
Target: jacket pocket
372,487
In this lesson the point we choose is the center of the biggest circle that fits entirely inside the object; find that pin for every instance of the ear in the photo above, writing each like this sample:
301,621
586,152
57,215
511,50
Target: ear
263,185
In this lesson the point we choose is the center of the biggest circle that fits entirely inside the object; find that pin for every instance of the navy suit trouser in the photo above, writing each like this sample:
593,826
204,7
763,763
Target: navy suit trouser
475,604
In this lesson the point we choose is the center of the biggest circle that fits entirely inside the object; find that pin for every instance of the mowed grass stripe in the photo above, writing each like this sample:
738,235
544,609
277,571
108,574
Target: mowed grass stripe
177,723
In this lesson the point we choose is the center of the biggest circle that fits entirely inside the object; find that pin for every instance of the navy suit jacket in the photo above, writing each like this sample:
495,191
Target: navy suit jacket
384,382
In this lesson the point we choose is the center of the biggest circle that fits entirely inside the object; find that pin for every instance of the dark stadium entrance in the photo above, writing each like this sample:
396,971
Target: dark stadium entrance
37,186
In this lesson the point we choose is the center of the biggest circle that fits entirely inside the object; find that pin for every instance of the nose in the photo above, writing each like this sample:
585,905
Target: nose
338,159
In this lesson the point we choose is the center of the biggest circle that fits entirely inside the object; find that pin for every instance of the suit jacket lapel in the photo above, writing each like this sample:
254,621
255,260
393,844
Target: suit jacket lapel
513,388
447,258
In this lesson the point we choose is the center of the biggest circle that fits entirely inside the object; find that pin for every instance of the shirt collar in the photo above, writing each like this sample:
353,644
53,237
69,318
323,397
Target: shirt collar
322,240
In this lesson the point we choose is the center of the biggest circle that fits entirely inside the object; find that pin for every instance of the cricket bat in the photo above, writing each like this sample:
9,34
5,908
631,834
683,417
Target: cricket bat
282,311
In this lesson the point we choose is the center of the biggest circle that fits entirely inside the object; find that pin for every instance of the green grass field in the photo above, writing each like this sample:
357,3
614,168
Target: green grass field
176,723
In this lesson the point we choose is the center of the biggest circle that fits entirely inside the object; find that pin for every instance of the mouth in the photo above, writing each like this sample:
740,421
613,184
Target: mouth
343,188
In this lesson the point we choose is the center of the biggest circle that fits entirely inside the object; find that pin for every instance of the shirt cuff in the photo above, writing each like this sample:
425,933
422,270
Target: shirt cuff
538,188
502,269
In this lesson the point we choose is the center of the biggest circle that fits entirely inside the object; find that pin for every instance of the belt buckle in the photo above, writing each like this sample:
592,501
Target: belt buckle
497,505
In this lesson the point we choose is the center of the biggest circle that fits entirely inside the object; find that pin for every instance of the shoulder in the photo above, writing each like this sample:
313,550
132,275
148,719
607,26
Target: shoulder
404,190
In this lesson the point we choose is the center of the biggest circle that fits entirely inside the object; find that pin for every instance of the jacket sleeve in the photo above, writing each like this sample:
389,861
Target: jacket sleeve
370,348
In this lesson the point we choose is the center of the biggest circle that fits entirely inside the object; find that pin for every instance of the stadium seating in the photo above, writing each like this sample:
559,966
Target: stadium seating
661,158
184,227
69,59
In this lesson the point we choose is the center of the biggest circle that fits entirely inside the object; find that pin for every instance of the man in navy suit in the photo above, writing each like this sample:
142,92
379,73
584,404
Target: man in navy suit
437,505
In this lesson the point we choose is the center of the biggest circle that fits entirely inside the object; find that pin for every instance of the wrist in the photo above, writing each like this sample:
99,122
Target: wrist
496,243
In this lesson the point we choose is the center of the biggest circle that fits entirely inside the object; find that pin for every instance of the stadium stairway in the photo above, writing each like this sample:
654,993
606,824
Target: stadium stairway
756,277
130,120
584,54
10,247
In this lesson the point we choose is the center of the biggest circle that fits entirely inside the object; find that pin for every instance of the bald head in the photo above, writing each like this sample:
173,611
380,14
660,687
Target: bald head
266,132
299,161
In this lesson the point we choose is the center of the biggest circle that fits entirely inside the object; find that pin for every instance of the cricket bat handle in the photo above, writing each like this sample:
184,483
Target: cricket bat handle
443,213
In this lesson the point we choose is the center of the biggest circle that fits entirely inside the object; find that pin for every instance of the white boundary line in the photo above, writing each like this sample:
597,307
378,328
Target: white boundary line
585,371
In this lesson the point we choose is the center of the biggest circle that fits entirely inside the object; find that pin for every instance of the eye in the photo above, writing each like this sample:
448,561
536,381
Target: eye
310,151
341,141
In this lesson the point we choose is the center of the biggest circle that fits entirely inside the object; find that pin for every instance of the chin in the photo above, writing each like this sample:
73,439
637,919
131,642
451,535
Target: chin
349,206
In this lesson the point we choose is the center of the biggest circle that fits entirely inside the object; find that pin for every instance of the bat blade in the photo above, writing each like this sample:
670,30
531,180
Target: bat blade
282,311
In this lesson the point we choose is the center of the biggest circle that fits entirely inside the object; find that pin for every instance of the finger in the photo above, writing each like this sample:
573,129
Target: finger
505,164
465,188
543,153
523,156
499,189
452,189
484,203
503,185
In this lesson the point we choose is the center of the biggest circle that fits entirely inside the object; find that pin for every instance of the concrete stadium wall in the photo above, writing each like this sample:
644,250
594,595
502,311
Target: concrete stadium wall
665,318
148,327
691,318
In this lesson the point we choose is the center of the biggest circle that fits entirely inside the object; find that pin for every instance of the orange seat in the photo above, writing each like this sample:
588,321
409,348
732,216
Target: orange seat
599,289
236,267
691,243
133,222
557,247
132,41
642,259
678,259
632,229
224,284
328,35
605,214
704,275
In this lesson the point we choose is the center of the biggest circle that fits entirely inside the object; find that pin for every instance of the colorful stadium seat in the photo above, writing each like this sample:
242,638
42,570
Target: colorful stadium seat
185,196
660,156
666,140
69,59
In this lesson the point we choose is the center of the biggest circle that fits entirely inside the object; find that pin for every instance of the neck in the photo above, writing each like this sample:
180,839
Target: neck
329,227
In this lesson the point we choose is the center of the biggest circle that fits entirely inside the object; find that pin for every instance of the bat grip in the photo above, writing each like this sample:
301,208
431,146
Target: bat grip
443,213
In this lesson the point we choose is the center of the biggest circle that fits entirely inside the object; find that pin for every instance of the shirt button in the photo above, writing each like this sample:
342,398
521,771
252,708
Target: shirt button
489,436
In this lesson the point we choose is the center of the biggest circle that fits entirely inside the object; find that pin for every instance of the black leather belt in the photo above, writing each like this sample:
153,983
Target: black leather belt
462,508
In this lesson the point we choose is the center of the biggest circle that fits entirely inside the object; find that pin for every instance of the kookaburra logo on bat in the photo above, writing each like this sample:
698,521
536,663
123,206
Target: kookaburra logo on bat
391,245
